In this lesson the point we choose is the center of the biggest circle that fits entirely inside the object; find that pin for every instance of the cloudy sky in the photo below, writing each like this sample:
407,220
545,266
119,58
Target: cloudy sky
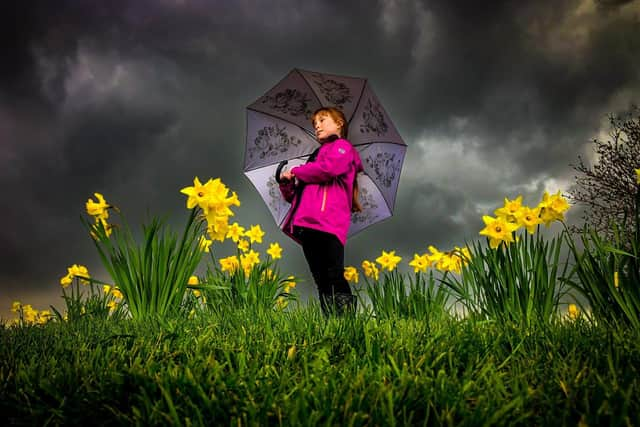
134,98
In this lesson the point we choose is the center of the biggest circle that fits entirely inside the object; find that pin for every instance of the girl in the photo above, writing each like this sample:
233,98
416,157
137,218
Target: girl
323,193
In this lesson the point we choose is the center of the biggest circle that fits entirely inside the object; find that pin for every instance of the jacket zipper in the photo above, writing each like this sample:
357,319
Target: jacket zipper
324,199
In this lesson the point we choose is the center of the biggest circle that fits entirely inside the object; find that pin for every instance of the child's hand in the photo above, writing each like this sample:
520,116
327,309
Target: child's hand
288,176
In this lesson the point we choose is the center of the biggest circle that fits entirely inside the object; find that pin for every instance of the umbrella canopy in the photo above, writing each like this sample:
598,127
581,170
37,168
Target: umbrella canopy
279,128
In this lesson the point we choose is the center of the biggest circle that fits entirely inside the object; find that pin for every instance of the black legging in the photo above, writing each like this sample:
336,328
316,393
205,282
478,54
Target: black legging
325,256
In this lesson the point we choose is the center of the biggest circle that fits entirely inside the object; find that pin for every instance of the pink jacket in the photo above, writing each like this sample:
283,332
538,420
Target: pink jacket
326,198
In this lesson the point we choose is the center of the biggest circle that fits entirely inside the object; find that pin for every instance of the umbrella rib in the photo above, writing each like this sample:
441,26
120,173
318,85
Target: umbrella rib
364,144
308,132
275,162
366,82
280,81
391,208
310,87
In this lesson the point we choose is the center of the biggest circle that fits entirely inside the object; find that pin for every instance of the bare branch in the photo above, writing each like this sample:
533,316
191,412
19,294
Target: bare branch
607,188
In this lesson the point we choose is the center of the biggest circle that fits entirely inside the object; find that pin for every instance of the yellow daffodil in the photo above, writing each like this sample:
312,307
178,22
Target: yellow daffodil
112,305
196,194
455,264
274,251
289,283
267,275
193,280
498,230
281,303
29,314
463,253
388,260
78,270
44,316
255,234
66,280
106,289
233,200
366,267
249,260
351,274
75,270
100,224
435,256
454,260
116,293
444,263
99,209
370,269
559,203
16,306
243,245
217,199
529,218
81,272
217,228
205,244
229,264
573,311
235,232
552,208
214,200
509,210
197,293
108,228
220,221
459,258
420,263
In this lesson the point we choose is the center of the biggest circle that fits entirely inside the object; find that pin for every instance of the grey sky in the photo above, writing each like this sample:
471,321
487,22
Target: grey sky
134,98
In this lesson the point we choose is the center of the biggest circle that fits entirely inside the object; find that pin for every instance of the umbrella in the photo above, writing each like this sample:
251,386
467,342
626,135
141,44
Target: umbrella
279,128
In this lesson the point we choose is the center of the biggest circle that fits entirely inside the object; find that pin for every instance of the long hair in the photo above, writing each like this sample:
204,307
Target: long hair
355,201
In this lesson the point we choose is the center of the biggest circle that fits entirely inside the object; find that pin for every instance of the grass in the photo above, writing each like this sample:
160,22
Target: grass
225,353
260,367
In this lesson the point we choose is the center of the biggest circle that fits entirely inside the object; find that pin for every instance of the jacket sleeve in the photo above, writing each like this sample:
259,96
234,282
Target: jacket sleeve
332,162
288,190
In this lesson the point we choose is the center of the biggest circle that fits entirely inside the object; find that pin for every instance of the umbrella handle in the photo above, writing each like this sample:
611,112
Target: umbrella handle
279,170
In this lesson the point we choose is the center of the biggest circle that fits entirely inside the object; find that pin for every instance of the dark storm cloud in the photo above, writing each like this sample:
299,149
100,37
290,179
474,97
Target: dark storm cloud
135,98
524,87
524,74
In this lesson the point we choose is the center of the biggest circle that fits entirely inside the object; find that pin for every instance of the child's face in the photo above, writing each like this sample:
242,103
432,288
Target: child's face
325,126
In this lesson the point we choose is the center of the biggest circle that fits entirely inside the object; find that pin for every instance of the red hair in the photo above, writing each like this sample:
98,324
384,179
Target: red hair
336,114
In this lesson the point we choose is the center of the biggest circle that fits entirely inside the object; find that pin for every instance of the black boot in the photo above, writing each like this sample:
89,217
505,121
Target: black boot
344,303
338,303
